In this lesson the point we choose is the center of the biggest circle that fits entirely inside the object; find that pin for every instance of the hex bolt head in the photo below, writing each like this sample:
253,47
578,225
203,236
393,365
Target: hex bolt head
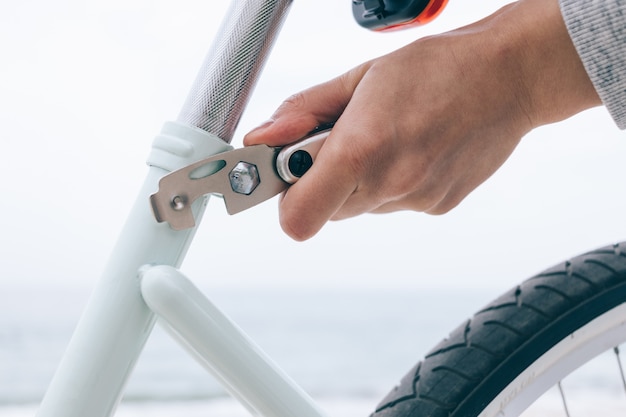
244,178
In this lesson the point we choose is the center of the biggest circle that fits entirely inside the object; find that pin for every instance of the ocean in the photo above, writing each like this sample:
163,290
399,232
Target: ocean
346,348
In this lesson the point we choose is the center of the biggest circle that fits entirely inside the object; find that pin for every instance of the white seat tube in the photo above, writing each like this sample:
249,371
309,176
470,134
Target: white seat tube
116,321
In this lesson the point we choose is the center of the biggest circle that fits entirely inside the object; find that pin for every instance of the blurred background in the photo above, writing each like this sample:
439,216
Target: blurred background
85,86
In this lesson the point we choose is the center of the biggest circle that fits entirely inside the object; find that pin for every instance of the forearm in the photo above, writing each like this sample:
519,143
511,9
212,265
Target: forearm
598,30
553,82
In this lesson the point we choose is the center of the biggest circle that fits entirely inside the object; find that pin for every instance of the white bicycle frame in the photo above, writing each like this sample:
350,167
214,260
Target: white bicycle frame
141,282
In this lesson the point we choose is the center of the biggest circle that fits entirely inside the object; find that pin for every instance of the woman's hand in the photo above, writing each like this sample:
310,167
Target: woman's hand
422,127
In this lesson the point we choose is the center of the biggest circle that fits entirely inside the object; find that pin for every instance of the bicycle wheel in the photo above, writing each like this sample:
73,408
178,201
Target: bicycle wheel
521,344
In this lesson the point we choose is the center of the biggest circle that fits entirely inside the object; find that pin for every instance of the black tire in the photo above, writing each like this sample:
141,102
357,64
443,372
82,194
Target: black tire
464,373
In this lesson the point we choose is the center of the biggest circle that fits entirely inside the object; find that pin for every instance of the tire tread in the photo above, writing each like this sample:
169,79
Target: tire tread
462,367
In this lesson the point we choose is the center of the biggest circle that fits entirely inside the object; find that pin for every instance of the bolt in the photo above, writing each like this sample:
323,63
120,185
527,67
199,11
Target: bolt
244,178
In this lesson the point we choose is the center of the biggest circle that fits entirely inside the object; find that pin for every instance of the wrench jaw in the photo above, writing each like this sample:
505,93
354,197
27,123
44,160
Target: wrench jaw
244,178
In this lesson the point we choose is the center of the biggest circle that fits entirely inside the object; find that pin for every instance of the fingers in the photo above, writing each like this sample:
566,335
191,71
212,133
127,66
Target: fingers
321,193
317,196
329,190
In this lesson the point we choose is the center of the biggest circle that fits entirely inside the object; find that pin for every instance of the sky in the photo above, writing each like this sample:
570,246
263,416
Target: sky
86,85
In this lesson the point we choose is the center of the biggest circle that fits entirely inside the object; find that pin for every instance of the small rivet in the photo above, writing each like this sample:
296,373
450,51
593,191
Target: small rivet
178,203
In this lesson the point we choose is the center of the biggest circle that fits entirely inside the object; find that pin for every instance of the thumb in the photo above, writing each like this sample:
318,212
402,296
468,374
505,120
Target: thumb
304,111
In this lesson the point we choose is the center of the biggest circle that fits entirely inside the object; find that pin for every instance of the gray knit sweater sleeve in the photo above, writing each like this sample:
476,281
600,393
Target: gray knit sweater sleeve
598,30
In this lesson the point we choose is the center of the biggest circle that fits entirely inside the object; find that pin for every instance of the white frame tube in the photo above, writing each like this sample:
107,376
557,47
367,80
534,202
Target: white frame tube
116,322
221,347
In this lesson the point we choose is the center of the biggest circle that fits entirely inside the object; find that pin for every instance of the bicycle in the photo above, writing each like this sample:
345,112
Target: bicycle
134,319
